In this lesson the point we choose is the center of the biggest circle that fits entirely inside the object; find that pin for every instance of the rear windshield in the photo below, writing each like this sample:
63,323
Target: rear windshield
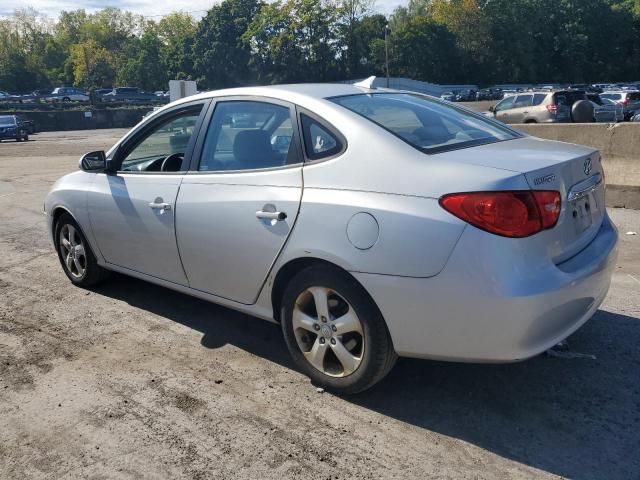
611,96
426,124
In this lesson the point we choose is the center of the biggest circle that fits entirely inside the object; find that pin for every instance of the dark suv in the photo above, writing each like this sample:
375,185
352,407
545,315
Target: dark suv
13,127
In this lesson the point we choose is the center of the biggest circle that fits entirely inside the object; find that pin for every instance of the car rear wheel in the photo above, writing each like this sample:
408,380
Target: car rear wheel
334,331
77,260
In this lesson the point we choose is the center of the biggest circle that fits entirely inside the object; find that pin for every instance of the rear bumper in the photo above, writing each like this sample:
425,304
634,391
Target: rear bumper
492,302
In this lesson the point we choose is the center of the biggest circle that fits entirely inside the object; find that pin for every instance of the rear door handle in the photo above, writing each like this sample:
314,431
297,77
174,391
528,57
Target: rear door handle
160,206
278,216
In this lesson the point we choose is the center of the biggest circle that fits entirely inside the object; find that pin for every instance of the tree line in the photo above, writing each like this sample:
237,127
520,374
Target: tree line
249,42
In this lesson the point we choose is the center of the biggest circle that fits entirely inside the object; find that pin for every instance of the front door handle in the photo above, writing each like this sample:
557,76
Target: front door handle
278,216
160,206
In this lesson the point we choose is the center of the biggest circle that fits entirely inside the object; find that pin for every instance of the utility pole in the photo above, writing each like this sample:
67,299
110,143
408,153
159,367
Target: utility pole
386,51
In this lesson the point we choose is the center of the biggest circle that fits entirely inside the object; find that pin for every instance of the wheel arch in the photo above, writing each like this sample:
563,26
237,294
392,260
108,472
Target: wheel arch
56,213
290,269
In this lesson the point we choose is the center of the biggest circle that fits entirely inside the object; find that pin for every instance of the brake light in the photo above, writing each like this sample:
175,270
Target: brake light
514,214
625,103
552,108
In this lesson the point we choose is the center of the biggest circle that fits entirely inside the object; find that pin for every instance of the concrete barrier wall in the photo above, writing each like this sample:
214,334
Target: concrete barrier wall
81,120
619,146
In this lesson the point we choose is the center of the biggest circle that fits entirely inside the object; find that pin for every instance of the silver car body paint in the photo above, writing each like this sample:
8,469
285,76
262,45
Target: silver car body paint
446,289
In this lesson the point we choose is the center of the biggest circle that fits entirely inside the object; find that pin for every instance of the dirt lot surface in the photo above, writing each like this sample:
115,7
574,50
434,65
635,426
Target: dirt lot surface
131,380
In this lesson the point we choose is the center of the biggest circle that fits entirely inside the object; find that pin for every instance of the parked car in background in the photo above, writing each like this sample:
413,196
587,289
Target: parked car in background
38,95
102,91
9,97
448,96
320,223
629,99
605,110
129,95
532,107
67,94
466,95
13,127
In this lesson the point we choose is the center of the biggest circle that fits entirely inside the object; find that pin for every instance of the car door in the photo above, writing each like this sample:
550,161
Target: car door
503,108
132,210
520,108
238,206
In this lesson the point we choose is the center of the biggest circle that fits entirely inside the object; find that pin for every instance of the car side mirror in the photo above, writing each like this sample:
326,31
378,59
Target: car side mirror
492,109
94,161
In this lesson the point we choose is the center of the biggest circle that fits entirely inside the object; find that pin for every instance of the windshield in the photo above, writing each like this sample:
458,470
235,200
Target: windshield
426,124
7,120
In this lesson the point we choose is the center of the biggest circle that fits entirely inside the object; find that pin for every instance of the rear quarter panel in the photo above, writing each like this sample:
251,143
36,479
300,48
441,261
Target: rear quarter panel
399,186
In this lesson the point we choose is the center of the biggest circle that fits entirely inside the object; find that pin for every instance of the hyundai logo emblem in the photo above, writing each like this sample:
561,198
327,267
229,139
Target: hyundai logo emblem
587,166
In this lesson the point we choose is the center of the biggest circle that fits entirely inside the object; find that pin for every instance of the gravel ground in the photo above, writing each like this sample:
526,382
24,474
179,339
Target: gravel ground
131,380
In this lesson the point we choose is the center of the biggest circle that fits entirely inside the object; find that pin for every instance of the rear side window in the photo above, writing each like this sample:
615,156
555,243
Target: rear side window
611,96
427,124
248,135
523,101
538,98
319,142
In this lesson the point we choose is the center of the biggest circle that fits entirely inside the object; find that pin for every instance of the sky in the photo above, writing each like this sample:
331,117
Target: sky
149,8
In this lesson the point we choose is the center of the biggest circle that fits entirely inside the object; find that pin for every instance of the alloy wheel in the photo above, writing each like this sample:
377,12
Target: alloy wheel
73,251
328,331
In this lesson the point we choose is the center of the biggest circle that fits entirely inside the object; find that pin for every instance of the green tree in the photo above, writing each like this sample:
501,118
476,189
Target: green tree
177,34
220,56
294,41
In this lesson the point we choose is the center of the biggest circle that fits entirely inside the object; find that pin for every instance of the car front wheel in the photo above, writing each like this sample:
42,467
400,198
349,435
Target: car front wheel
334,331
77,260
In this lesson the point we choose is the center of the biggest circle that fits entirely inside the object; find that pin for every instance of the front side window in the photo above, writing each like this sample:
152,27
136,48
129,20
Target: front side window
167,139
505,104
248,135
427,124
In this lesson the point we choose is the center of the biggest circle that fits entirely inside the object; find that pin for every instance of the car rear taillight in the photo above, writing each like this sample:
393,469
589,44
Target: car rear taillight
515,214
625,103
552,108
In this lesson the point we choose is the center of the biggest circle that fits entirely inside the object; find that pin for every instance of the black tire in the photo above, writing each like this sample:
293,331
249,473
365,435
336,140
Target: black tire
378,356
25,137
93,273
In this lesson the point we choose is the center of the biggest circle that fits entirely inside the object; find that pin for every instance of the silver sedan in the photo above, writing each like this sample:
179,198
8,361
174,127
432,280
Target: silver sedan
368,223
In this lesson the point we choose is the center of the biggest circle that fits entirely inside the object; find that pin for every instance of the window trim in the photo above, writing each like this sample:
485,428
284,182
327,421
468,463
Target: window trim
140,133
328,127
208,118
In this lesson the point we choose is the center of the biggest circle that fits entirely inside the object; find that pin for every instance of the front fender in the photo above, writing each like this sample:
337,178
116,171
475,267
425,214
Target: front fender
69,193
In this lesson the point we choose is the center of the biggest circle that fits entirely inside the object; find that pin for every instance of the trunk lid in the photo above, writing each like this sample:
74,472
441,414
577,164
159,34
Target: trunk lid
573,170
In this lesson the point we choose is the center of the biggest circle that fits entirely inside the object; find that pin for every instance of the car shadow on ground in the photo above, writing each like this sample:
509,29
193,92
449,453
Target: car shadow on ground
578,418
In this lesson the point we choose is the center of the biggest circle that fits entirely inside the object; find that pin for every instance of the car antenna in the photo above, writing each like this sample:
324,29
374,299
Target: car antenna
367,83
